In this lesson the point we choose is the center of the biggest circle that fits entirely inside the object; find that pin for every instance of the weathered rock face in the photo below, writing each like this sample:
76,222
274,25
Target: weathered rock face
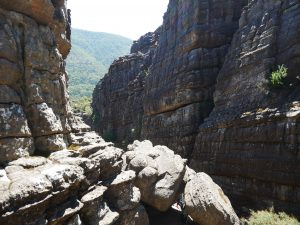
53,169
49,13
250,141
118,97
35,118
207,95
34,109
179,91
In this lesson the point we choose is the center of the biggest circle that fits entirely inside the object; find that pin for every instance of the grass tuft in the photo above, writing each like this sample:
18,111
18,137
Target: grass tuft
269,217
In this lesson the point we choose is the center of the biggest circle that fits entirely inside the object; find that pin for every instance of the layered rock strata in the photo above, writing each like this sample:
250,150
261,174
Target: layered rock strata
53,169
53,14
250,142
191,49
34,113
208,96
118,97
177,91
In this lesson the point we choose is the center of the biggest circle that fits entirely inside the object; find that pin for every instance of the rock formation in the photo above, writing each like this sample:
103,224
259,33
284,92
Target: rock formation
159,173
205,93
122,88
191,49
53,169
35,113
206,202
250,141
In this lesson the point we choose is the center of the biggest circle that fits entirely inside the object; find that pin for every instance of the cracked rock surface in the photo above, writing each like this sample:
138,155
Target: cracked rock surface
200,85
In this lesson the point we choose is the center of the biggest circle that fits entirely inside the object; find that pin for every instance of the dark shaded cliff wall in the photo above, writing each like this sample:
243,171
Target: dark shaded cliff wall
251,140
179,91
206,94
118,97
176,93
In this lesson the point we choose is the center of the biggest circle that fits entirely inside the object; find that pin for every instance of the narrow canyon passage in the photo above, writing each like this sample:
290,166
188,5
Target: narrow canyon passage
215,89
203,85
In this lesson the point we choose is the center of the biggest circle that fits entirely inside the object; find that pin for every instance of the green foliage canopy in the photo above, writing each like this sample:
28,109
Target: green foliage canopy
90,57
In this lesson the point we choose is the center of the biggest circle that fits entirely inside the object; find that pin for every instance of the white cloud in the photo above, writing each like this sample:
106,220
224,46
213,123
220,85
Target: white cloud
129,18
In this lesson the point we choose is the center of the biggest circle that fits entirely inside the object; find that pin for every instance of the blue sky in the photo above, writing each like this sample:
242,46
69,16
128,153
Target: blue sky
129,18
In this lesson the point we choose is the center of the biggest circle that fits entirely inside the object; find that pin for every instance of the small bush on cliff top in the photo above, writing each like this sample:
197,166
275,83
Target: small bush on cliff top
278,76
269,217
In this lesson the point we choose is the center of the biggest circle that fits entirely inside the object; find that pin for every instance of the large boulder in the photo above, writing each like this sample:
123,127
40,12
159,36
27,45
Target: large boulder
109,161
159,173
207,204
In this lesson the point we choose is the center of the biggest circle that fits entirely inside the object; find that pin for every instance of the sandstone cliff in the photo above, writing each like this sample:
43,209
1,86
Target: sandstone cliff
118,97
250,141
204,92
53,169
35,114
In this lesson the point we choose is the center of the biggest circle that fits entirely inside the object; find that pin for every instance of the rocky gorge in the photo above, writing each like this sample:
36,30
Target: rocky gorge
53,169
200,84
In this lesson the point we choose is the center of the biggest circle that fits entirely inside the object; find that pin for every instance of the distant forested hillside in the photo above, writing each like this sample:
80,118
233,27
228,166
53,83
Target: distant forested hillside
90,57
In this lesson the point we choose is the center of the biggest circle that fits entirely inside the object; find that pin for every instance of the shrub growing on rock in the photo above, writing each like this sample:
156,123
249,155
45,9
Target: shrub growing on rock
278,76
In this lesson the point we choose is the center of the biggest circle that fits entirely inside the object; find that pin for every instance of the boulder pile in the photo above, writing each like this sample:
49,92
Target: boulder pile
94,182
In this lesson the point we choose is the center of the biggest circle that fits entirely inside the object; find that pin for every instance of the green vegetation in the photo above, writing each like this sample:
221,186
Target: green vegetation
269,217
82,105
278,76
90,57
